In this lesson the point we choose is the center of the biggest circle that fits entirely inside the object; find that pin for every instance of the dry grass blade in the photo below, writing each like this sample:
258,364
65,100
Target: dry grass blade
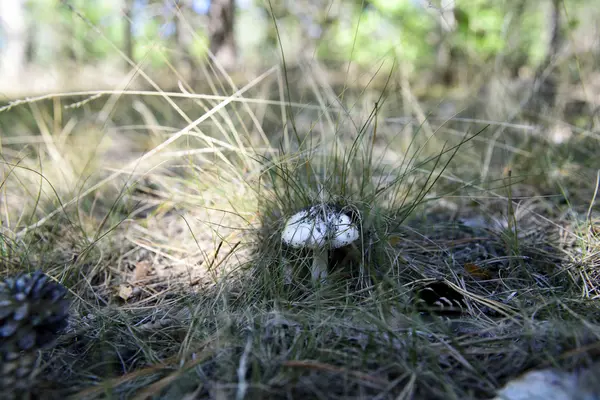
319,366
131,166
201,354
164,211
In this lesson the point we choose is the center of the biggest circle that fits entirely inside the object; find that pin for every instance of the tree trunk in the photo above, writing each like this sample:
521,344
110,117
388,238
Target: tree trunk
183,59
444,59
447,19
220,28
128,31
546,77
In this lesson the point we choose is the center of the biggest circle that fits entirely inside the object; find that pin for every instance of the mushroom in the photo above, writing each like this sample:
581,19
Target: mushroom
320,228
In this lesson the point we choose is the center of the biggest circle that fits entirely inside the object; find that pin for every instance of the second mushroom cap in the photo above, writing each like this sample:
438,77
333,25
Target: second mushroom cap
319,226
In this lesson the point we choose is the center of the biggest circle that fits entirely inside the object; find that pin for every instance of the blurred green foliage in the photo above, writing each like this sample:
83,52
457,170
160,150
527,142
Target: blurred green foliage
480,28
384,27
482,31
360,31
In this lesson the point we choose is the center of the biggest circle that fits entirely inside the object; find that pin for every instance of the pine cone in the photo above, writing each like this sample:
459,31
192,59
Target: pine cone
33,311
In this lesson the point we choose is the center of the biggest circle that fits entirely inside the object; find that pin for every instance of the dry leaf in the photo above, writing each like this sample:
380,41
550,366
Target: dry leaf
477,272
394,240
141,271
125,292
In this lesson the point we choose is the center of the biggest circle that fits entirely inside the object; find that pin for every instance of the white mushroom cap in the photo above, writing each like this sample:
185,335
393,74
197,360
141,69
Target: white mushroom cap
345,231
302,231
319,226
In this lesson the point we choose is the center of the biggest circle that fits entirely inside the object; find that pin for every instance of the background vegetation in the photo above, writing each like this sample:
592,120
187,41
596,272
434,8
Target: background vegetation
151,151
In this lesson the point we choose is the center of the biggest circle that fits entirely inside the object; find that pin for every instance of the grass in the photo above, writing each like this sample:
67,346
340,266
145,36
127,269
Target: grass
478,258
176,267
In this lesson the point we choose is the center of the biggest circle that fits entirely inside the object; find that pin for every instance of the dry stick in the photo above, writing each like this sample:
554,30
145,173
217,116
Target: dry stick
152,152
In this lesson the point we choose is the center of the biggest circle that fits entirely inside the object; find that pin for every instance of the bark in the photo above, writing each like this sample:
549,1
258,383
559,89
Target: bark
184,61
128,30
221,17
447,19
444,56
547,78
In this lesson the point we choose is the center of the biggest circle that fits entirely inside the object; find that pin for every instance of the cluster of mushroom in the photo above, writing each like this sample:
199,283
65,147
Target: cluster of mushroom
320,228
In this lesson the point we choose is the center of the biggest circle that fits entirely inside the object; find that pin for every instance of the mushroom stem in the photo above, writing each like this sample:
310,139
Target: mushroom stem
318,270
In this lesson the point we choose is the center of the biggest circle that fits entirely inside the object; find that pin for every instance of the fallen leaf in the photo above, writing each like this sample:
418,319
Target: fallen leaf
125,292
394,240
141,271
477,272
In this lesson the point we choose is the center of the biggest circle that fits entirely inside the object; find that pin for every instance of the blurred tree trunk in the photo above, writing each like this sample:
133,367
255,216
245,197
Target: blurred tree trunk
128,30
519,58
447,19
184,61
220,28
13,31
444,56
547,76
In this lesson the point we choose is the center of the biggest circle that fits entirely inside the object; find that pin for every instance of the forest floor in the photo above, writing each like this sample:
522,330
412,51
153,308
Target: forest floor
162,215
